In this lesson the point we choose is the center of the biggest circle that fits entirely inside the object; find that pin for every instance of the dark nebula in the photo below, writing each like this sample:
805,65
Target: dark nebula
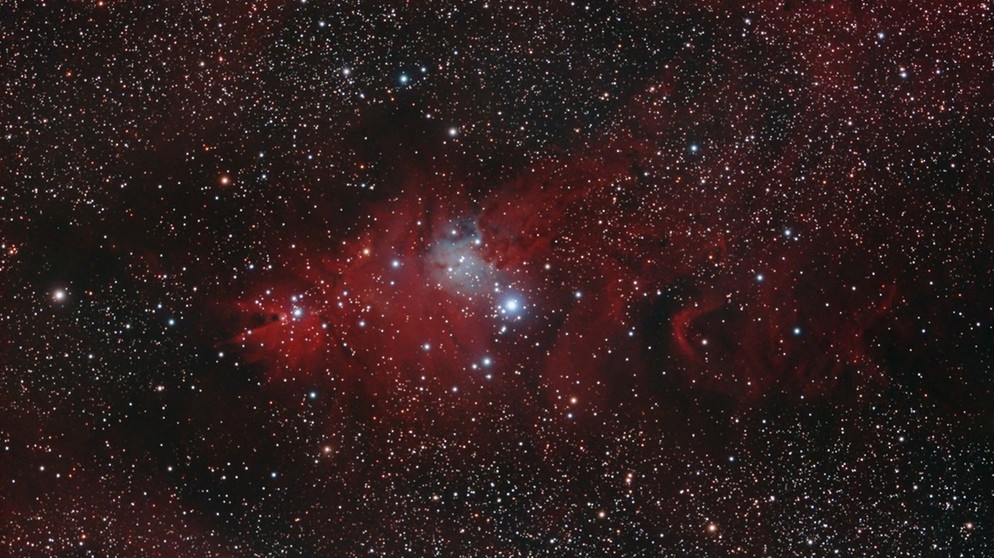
488,279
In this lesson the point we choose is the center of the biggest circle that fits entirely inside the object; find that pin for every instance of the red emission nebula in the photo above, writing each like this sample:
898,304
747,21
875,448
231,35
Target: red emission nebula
440,288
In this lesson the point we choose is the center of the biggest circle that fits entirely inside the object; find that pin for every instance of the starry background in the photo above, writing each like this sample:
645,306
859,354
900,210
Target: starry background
496,279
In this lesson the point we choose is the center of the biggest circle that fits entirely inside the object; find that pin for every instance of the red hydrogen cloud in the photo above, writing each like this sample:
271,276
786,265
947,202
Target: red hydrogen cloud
613,271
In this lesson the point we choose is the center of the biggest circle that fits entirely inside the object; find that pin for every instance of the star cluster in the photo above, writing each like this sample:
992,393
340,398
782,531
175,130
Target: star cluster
476,278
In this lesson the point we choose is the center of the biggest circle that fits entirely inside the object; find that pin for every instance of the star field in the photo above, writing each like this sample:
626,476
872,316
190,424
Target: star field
491,279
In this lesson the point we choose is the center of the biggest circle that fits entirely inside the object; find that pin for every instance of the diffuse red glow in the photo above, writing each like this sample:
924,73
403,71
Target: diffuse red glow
420,292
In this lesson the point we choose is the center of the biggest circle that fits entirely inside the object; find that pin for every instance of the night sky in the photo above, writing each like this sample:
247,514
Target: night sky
497,278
